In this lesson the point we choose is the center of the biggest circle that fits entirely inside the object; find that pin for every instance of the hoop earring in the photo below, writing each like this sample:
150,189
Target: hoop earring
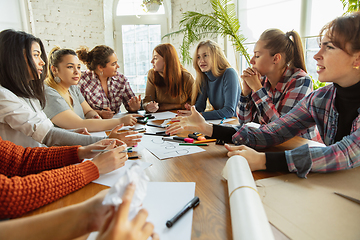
101,73
57,79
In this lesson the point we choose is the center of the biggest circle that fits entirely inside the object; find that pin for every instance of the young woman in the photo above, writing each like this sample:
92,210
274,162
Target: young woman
277,80
23,67
215,81
66,107
82,218
103,87
169,84
334,109
33,177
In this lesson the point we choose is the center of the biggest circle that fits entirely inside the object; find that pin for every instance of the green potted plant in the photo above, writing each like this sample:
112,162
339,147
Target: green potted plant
222,21
350,5
151,6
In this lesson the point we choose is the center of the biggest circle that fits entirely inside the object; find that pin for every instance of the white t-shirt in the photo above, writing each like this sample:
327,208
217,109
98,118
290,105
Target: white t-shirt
22,120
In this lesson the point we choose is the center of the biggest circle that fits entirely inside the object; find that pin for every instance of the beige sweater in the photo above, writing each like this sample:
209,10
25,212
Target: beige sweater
159,95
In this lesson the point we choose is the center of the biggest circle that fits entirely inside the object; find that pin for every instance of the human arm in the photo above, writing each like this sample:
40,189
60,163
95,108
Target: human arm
130,101
149,103
106,113
131,138
64,223
46,184
89,113
194,123
23,115
134,104
117,226
228,88
296,87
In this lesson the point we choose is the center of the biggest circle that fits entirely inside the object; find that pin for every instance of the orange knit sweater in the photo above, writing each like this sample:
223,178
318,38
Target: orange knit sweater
33,177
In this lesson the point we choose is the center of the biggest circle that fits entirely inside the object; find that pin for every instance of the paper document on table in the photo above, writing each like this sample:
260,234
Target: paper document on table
98,134
218,121
163,201
163,115
165,149
309,209
111,178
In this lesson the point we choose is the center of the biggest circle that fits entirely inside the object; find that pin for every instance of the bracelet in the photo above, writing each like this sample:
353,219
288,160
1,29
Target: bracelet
243,187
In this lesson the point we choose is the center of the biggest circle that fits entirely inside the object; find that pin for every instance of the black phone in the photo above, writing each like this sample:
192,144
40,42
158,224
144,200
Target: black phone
142,120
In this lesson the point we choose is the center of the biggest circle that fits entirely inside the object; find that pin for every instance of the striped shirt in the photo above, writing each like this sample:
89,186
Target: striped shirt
318,108
267,104
119,91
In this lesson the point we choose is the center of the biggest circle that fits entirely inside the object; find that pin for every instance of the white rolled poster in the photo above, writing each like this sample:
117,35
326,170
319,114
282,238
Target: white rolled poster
248,218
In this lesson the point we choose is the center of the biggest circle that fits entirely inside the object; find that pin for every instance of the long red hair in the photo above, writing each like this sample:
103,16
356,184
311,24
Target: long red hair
172,75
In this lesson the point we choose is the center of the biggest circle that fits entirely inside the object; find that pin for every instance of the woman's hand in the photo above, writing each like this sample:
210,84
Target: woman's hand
134,103
152,106
256,160
95,211
118,227
195,123
184,113
81,131
252,78
113,159
129,137
129,119
86,151
106,113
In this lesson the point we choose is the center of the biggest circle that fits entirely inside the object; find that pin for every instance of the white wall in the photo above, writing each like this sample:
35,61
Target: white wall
72,23
68,23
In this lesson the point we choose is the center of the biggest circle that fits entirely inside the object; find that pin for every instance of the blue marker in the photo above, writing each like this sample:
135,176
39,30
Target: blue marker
222,120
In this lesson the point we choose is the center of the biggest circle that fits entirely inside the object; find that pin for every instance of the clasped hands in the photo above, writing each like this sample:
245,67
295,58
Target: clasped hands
251,81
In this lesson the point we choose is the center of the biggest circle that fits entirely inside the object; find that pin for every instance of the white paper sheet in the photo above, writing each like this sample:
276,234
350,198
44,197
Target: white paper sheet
163,201
110,178
165,149
217,121
163,115
248,218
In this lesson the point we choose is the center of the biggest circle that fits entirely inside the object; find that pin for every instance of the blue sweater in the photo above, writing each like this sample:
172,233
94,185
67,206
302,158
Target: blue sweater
223,93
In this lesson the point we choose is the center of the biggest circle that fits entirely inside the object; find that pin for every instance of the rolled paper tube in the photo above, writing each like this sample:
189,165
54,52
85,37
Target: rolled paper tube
248,218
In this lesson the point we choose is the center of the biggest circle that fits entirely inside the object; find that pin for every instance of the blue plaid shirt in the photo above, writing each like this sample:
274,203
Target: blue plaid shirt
318,108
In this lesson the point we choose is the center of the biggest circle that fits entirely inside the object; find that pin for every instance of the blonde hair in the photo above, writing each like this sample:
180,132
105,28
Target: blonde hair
218,67
55,57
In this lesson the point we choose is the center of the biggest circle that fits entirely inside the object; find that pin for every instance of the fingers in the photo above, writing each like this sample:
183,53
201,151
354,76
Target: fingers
174,129
117,128
140,218
123,211
155,236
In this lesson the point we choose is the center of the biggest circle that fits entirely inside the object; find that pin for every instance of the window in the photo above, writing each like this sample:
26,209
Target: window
306,17
136,34
138,42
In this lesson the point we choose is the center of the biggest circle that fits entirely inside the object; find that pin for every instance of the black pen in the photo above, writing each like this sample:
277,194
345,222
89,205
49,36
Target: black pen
154,125
158,134
192,204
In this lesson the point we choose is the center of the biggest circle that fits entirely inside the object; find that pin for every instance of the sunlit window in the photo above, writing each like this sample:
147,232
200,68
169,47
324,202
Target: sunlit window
138,44
257,16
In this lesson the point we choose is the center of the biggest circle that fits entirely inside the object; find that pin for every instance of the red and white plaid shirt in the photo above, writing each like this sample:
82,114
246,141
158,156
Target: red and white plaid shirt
119,91
267,104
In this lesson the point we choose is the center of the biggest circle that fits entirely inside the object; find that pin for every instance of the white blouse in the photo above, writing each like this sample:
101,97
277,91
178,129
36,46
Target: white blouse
22,120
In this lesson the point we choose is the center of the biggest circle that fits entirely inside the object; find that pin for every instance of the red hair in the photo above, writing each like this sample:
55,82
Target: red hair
172,75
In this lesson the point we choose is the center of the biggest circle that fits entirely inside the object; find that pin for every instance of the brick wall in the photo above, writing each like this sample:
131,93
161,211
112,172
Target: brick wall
71,23
68,23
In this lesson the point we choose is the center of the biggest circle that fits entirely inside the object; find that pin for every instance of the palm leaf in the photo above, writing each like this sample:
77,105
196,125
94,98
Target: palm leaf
222,21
